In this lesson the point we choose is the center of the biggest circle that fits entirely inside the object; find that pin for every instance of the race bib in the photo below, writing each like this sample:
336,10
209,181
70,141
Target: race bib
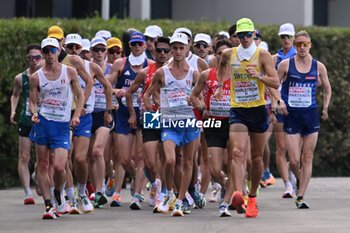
246,91
27,107
300,97
100,98
177,99
134,100
220,108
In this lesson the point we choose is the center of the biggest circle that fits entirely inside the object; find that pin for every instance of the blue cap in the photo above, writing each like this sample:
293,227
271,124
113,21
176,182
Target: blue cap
137,37
98,40
257,32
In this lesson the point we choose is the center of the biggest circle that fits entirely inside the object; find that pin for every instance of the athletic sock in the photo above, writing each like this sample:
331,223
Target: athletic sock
57,195
288,185
171,193
48,203
81,189
70,194
300,198
28,192
251,196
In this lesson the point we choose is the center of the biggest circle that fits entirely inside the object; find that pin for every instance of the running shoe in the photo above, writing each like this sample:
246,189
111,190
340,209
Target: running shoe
136,203
237,202
165,205
185,207
100,200
224,211
301,204
252,208
68,207
153,193
92,196
85,204
212,196
288,193
199,200
222,194
159,200
90,190
49,213
271,180
74,208
263,182
61,209
116,201
110,187
29,201
291,177
177,211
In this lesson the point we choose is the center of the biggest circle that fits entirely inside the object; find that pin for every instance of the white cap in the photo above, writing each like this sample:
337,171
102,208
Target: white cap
153,31
86,44
224,33
287,29
73,39
104,34
50,42
202,37
179,37
98,40
183,30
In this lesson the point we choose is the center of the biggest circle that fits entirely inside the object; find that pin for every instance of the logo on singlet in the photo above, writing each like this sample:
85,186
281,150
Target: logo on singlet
127,73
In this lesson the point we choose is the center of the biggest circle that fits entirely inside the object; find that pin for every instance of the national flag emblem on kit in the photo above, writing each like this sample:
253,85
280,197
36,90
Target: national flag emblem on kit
310,78
188,82
63,81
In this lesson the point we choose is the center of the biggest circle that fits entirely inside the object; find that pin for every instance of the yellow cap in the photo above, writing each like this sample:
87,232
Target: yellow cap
111,42
245,25
55,32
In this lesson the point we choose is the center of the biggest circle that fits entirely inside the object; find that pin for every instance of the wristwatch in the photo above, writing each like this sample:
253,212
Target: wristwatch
109,111
201,110
85,106
280,101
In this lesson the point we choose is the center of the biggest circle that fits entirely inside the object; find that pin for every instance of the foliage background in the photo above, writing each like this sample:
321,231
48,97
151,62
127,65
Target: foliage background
330,45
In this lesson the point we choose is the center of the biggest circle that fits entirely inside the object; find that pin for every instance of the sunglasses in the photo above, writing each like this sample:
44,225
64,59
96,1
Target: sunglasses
242,34
73,46
116,51
160,50
133,44
96,50
34,57
48,50
256,38
150,39
299,44
198,45
286,36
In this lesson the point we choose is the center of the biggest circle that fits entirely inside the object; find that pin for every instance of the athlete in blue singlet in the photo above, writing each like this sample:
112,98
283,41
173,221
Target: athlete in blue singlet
300,76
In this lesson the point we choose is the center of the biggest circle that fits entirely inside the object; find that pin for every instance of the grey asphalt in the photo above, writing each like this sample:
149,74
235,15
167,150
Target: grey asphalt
329,200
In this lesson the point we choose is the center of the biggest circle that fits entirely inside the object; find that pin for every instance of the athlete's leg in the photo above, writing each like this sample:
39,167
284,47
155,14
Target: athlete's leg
23,170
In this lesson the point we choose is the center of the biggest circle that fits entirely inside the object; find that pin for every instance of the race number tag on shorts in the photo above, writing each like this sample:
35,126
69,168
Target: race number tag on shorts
27,107
100,98
177,99
300,97
246,91
220,108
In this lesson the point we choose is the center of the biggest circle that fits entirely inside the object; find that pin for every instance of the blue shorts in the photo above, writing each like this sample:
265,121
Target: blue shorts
304,122
122,117
84,128
255,118
52,134
181,136
279,117
98,121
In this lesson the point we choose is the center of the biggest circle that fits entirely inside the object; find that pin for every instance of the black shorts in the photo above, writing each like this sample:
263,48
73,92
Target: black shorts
149,135
98,121
218,137
255,118
23,130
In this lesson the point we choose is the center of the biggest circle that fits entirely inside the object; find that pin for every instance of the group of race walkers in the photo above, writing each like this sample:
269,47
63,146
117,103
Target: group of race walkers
85,103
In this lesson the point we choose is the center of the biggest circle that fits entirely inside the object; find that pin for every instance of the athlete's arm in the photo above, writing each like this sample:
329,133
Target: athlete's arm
327,89
33,92
17,88
117,68
78,64
196,92
139,79
74,80
222,71
213,62
267,69
202,65
157,83
107,89
274,58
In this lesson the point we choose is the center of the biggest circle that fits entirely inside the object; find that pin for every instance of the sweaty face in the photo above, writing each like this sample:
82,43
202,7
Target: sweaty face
247,38
99,52
73,49
302,45
137,48
201,49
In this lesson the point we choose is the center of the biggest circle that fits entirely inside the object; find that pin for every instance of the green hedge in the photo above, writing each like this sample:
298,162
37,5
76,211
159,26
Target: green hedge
330,45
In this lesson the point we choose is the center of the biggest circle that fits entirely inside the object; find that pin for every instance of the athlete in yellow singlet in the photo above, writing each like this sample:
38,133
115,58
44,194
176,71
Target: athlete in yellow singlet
250,70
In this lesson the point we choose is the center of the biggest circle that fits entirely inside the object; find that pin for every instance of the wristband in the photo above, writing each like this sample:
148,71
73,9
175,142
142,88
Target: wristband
274,112
201,111
260,76
220,85
109,111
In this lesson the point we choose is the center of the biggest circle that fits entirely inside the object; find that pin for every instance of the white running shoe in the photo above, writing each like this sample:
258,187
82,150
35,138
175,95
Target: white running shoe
224,211
164,206
85,204
135,203
288,193
177,211
49,213
153,193
74,208
61,209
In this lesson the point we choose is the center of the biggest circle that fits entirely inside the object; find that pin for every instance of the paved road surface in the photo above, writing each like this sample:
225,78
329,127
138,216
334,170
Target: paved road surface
329,199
